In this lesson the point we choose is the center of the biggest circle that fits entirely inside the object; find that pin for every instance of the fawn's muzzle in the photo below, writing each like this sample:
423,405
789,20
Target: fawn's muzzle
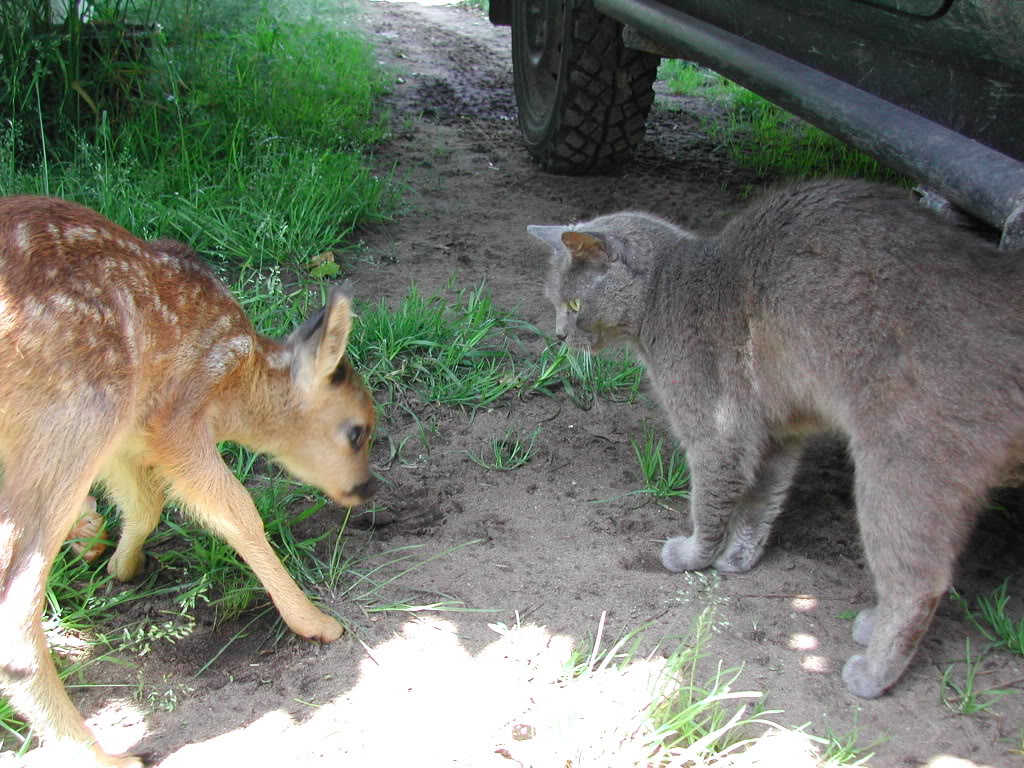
366,490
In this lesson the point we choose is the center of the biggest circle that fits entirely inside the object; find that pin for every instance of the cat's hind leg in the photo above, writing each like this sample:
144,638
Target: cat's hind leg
913,525
751,524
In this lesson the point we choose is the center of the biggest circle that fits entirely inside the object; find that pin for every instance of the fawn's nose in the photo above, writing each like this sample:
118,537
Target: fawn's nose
560,336
367,489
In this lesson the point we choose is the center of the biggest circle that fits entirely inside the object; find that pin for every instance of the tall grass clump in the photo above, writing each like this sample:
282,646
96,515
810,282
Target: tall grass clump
461,351
449,353
64,64
760,135
245,134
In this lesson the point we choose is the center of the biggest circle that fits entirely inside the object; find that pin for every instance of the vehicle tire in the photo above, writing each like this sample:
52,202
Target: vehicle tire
583,96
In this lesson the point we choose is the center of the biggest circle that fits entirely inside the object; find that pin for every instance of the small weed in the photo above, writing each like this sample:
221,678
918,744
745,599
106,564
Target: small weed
845,750
590,657
964,698
694,721
991,618
163,697
1017,743
511,451
662,478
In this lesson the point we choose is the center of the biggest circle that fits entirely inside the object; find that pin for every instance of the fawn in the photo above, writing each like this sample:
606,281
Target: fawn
125,362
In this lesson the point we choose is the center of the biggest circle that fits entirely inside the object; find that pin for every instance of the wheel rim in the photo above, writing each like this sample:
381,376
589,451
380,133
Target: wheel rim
538,28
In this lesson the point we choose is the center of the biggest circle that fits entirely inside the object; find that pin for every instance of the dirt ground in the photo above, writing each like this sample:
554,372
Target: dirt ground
418,690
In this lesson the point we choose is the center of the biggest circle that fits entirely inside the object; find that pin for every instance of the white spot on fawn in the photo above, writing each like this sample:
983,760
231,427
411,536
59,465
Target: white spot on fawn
8,319
21,236
223,355
79,234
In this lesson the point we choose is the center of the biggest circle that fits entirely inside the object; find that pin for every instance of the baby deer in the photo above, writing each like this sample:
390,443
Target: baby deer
125,362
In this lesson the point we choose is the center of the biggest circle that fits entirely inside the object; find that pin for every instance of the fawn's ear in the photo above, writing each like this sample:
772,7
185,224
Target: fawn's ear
318,345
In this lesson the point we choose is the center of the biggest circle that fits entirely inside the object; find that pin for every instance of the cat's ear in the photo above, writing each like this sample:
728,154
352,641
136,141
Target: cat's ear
550,235
580,245
584,247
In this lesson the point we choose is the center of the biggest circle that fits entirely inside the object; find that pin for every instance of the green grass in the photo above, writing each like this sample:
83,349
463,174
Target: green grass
964,697
246,143
450,353
461,351
511,451
759,135
846,749
691,712
990,617
663,477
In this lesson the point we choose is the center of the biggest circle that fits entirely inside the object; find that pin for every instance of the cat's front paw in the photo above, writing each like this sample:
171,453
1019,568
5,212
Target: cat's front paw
683,554
859,680
737,561
864,626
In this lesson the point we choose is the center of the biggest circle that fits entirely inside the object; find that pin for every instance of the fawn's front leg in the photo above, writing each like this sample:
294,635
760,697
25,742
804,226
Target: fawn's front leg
201,480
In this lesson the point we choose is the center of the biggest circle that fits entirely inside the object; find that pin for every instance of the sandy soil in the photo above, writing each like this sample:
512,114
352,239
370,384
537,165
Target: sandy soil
447,688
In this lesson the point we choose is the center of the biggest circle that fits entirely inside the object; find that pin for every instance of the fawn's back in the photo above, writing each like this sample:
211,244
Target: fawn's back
90,311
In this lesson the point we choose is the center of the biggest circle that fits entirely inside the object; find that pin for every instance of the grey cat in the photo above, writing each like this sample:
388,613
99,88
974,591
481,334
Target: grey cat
824,306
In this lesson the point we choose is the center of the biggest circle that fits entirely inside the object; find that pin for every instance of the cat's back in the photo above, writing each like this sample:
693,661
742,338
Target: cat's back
870,243
857,287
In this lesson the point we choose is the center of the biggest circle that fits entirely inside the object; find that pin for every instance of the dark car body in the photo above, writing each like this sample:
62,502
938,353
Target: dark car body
933,88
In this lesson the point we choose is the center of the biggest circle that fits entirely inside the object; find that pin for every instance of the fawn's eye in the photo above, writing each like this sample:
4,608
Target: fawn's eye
355,434
574,305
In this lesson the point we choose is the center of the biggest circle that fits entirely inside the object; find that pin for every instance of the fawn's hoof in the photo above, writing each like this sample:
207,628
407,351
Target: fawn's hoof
320,629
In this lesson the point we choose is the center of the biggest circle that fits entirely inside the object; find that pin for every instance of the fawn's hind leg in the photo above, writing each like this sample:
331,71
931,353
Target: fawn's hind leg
140,496
913,528
36,513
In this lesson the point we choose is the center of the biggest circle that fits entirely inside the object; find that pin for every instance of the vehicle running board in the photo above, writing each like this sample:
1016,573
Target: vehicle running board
977,178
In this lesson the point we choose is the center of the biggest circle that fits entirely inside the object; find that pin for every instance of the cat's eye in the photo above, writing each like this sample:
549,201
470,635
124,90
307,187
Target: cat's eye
574,305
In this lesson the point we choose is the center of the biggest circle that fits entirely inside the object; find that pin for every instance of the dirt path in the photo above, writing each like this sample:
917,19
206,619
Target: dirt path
544,552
